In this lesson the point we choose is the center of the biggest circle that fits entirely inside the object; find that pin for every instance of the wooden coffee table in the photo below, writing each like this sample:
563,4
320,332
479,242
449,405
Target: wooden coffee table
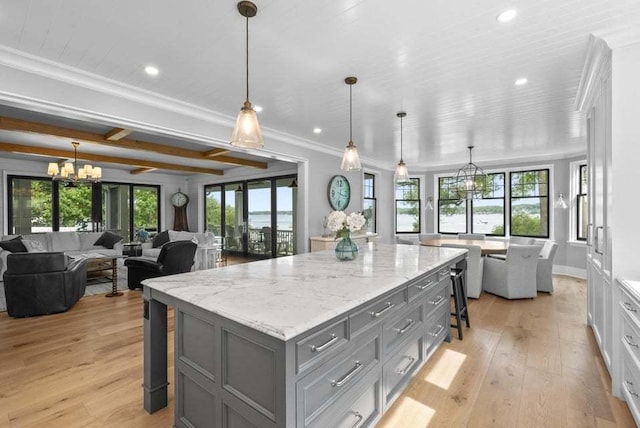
107,267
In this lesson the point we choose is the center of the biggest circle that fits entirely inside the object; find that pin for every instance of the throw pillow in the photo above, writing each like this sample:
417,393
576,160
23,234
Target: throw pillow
160,239
34,246
108,239
14,245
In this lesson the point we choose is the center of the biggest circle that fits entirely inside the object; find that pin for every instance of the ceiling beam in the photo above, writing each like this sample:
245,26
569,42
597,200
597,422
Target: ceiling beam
141,171
214,152
117,134
11,124
45,151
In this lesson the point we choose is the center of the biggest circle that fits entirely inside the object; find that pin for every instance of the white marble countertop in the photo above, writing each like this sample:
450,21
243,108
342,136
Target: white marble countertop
286,296
632,286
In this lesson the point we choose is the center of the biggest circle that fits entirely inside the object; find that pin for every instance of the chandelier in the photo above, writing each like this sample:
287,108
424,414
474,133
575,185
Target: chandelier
71,175
471,180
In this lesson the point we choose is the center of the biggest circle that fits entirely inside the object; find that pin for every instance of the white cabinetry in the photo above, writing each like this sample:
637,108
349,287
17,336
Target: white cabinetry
630,342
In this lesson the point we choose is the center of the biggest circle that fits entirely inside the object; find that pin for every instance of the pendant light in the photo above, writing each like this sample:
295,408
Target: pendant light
247,131
471,180
402,175
350,158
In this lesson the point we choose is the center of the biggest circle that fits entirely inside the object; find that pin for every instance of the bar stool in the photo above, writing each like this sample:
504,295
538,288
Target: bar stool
459,299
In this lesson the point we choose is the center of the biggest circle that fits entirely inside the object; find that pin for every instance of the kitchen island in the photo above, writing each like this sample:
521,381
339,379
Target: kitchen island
299,341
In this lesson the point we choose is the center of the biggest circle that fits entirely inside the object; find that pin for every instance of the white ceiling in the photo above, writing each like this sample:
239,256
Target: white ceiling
449,64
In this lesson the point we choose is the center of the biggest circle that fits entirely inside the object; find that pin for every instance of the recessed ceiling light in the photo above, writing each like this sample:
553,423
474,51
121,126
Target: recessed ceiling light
151,70
317,130
507,16
521,81
258,109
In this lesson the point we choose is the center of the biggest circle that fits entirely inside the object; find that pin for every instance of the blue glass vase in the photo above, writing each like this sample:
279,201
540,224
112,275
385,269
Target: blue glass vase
346,249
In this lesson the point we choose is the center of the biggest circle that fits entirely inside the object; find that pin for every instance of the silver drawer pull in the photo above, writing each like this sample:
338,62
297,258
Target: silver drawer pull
629,307
628,384
385,309
346,378
326,344
407,367
427,285
437,301
628,338
445,272
440,330
407,327
359,419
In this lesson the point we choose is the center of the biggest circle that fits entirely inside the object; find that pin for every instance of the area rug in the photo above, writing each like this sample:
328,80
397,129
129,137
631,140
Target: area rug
94,286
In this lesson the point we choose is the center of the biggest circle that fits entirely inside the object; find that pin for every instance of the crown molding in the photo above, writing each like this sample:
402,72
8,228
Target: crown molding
597,68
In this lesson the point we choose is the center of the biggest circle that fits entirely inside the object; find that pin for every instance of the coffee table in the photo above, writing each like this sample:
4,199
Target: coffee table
105,265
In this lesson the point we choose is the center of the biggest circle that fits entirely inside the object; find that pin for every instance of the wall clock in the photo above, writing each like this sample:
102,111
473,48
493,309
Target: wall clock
339,192
179,201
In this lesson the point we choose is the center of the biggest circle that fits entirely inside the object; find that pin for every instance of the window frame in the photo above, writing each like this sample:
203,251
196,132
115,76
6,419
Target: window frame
579,194
417,180
370,198
511,198
439,202
504,206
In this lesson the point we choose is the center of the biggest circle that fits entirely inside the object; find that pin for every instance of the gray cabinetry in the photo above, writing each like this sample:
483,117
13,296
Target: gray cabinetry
630,343
345,371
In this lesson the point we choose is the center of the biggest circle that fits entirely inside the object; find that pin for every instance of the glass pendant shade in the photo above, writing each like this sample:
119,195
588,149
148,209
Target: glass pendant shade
350,158
402,174
247,132
560,202
429,206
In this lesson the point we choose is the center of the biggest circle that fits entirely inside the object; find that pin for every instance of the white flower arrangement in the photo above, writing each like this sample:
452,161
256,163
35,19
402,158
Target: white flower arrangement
343,224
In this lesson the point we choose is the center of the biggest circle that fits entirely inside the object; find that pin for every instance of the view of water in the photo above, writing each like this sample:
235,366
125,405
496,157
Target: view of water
257,221
484,223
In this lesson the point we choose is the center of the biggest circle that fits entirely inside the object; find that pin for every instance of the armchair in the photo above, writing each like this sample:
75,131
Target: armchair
514,277
175,257
545,266
43,283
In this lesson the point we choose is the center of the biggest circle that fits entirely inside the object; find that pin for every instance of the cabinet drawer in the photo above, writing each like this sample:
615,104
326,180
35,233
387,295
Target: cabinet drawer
396,330
630,306
319,388
363,410
399,369
438,297
312,348
377,310
631,385
437,328
421,286
631,337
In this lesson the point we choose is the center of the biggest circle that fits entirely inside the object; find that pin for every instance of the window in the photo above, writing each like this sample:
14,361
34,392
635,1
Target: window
452,212
530,203
408,206
369,202
38,205
487,212
582,213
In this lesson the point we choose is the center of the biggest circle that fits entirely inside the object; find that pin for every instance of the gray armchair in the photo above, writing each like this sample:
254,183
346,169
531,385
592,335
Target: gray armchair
475,268
514,277
43,283
544,278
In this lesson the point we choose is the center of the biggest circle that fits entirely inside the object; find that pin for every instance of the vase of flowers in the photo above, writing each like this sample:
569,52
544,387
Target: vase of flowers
343,224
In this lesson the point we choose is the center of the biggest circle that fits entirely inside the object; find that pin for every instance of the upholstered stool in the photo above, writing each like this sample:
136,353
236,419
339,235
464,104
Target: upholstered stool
459,300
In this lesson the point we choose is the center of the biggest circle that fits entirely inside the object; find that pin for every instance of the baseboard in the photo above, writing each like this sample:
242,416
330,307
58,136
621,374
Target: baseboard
570,271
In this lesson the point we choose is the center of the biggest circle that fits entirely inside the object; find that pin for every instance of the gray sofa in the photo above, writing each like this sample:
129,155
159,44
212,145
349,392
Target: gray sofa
71,243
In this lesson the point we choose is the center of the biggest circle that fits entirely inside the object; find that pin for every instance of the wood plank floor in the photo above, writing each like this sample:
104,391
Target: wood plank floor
528,363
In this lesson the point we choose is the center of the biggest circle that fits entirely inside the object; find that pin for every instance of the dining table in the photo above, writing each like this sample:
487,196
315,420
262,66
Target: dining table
486,246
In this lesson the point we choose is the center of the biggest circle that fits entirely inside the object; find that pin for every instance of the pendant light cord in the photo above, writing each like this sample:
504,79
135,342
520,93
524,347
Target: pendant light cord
247,56
350,114
400,138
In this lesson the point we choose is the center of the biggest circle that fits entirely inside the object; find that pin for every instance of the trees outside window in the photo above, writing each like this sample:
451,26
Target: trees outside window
530,203
582,213
487,211
369,201
452,211
408,206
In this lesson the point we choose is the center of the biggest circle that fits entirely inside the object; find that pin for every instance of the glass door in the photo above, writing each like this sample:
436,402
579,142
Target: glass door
233,218
115,209
259,219
286,195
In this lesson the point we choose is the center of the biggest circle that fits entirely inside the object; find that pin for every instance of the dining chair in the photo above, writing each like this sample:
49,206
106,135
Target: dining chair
544,277
405,241
521,240
514,277
479,236
475,266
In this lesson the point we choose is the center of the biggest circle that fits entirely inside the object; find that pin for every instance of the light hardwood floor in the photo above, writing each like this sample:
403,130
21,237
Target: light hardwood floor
528,363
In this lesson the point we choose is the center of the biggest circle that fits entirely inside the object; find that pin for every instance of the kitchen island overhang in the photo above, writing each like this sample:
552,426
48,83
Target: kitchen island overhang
256,341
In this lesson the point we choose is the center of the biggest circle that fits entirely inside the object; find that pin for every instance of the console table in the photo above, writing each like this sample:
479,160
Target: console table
301,341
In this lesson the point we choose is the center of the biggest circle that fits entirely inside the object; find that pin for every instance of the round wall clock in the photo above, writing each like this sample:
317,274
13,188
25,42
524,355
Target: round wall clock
339,192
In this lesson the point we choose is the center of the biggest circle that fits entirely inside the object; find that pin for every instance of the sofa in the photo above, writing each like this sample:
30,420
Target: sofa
43,283
70,243
152,249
